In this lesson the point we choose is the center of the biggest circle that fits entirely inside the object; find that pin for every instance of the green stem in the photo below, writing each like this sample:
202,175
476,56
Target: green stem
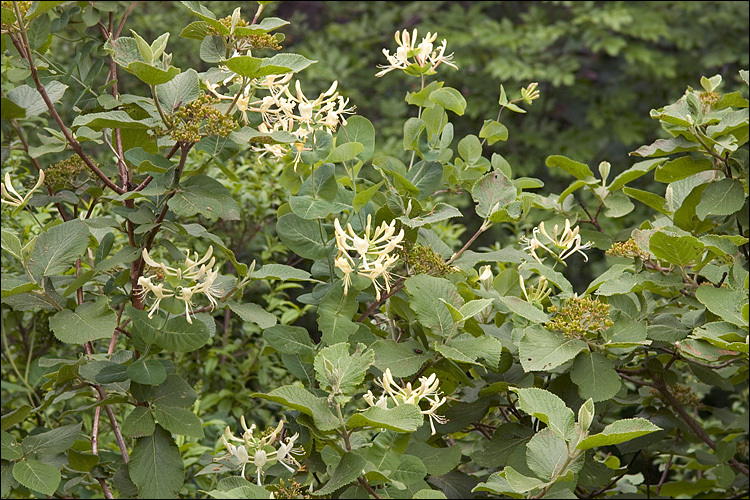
164,118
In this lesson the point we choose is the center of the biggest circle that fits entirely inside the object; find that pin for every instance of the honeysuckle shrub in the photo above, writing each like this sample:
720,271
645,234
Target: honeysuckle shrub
212,287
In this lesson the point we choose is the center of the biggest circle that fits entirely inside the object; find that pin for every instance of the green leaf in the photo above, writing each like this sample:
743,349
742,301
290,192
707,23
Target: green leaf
364,196
208,197
681,168
492,192
541,350
149,372
426,177
289,339
156,466
37,476
12,418
347,471
548,408
524,309
179,421
723,197
438,461
12,285
403,359
304,401
11,449
251,312
345,152
90,321
648,198
174,392
547,454
359,129
619,432
294,62
57,248
338,371
425,293
111,119
197,30
665,147
677,250
151,75
180,336
50,443
595,376
334,326
723,302
179,91
31,100
402,418
450,99
574,168
488,348
139,423
521,483
493,131
10,110
634,172
303,237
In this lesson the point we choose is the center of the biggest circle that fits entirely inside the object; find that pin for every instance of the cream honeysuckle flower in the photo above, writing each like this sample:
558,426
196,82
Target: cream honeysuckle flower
11,197
158,290
195,276
428,390
535,294
373,252
425,61
255,450
566,244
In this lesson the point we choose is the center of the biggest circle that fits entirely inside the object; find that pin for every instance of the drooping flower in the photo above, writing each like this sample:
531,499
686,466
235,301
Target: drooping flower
565,244
259,450
11,197
428,390
419,60
195,276
373,256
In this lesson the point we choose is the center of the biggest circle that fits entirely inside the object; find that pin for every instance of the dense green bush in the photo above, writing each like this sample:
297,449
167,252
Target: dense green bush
199,250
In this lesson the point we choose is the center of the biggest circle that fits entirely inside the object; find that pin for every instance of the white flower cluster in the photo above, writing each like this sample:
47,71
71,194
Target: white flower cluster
197,272
283,111
428,390
373,253
425,59
261,450
565,245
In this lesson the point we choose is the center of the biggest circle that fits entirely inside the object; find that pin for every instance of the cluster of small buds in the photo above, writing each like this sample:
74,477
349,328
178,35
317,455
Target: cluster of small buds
424,260
199,118
11,197
419,60
684,394
374,256
708,100
64,174
194,277
563,245
530,93
428,390
293,489
627,248
23,8
267,448
580,318
244,43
